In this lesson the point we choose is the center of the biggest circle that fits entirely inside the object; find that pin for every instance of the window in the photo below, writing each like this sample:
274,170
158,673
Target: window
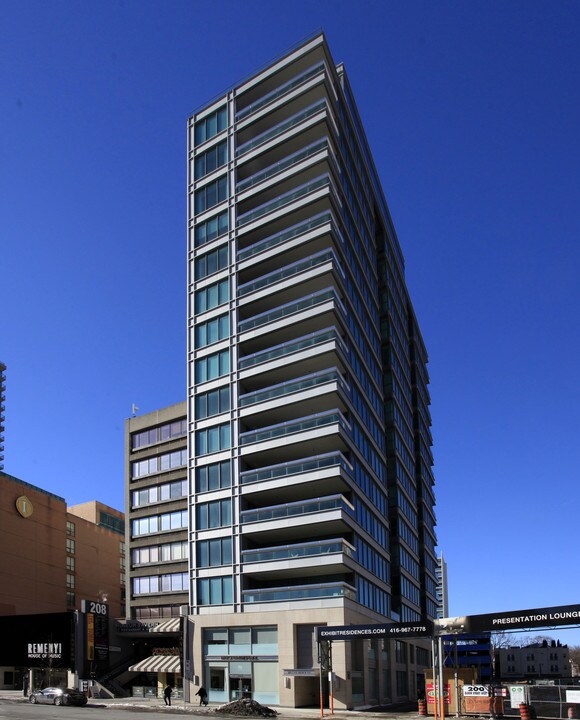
215,591
212,331
70,581
400,652
214,552
160,493
212,366
70,599
212,439
211,159
70,546
173,582
401,682
70,563
166,552
211,262
213,402
70,528
159,523
159,463
214,514
169,431
211,125
211,194
213,477
212,296
211,229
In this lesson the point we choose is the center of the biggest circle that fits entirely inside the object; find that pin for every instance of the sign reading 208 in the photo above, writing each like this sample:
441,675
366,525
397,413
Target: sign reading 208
97,608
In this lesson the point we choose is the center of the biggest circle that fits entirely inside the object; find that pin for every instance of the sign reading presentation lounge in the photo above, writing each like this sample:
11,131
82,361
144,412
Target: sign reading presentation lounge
512,620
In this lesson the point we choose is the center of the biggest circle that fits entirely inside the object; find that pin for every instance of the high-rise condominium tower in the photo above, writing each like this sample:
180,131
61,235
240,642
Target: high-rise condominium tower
310,464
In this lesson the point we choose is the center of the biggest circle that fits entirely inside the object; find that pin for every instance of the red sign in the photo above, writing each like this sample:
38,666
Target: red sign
432,694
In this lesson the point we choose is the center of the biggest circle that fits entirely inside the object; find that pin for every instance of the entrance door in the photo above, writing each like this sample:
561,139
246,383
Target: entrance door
240,687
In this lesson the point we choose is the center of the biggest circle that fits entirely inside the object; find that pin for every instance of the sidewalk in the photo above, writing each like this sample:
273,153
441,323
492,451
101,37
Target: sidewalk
195,709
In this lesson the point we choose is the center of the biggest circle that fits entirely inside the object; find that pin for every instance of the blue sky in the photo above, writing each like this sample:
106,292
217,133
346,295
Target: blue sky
472,110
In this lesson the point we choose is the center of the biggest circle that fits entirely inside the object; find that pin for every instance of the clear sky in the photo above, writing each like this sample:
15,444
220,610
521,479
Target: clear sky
472,110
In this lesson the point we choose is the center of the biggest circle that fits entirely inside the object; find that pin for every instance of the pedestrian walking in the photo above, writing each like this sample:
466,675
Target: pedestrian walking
202,692
167,694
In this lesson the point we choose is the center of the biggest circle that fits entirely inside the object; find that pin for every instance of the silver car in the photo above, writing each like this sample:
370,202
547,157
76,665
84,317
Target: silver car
58,696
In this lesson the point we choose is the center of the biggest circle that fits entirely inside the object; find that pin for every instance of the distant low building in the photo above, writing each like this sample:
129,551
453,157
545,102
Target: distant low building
548,659
469,651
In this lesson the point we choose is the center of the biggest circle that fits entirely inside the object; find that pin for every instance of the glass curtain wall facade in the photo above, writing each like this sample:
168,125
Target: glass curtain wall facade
310,463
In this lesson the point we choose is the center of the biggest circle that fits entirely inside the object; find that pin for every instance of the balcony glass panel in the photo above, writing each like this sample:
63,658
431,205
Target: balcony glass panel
279,91
293,386
282,237
284,164
295,468
289,552
304,592
277,512
289,271
292,347
281,127
283,200
289,428
283,311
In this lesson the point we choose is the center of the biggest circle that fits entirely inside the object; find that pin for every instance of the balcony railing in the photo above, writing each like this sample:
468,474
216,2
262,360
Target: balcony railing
293,427
295,467
283,200
281,90
302,550
281,127
289,271
293,346
300,592
291,308
285,235
293,386
284,164
306,507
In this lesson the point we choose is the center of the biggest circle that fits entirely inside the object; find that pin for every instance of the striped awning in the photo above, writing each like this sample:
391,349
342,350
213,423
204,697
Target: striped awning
158,664
171,625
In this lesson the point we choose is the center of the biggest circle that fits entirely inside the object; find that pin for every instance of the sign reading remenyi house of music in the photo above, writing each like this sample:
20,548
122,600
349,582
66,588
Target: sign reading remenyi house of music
37,640
512,620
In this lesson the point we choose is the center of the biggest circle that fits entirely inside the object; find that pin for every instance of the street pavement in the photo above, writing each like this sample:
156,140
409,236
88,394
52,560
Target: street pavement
132,703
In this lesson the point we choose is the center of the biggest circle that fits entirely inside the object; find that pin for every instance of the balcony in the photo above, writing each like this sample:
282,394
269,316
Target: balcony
322,391
286,163
285,235
298,479
338,590
283,200
291,308
289,271
294,386
326,556
319,517
297,119
315,434
278,92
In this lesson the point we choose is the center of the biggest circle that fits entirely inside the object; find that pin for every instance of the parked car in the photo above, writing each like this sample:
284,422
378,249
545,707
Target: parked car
58,696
